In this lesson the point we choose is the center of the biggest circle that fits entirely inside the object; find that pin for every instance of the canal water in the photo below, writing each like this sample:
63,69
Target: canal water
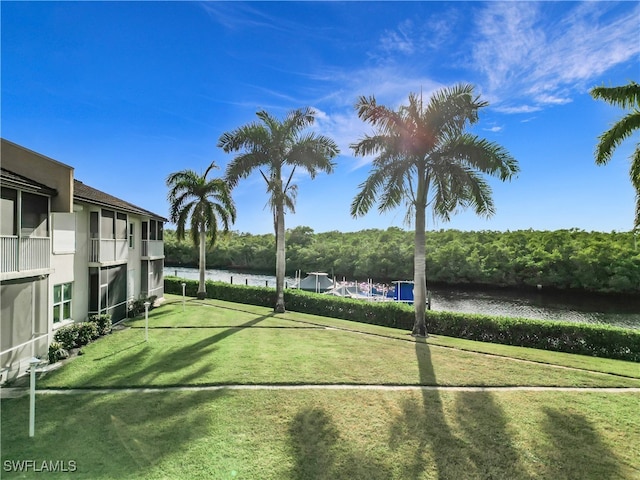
526,304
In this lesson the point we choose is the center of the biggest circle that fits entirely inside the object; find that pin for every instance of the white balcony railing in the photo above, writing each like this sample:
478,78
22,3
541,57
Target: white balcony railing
24,254
102,250
152,248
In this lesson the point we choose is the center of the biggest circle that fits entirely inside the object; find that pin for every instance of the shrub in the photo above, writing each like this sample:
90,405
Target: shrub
581,338
67,336
87,331
76,334
137,306
57,352
103,323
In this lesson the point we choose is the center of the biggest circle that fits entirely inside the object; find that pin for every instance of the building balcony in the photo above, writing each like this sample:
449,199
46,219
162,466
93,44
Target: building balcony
24,254
108,250
152,249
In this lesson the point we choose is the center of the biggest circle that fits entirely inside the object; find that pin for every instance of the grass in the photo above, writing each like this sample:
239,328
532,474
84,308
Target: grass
329,433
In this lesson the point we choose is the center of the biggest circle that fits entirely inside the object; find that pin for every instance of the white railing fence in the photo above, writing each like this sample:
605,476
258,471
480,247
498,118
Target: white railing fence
26,253
108,250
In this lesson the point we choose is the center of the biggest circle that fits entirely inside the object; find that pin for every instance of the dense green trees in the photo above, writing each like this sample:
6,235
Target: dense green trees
565,259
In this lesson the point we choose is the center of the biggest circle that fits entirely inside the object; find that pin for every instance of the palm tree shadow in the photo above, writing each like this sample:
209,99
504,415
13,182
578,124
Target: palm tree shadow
127,371
427,430
319,452
578,452
490,448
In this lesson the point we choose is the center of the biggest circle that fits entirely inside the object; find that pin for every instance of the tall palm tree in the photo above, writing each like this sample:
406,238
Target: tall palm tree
424,158
271,146
207,202
627,97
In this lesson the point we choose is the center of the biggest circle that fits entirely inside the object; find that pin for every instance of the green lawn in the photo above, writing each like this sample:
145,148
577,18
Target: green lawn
328,433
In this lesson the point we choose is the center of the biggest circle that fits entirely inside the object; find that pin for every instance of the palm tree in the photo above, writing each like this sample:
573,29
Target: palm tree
425,158
627,97
271,146
207,202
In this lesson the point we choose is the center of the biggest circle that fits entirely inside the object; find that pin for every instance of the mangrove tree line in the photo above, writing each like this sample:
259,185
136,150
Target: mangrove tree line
563,259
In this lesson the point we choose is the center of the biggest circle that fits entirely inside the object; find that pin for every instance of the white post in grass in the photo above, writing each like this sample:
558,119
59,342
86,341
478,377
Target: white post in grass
146,321
32,398
183,287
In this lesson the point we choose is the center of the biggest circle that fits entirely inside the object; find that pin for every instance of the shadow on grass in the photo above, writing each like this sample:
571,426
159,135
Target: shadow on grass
320,453
108,436
577,451
142,367
482,449
122,350
468,437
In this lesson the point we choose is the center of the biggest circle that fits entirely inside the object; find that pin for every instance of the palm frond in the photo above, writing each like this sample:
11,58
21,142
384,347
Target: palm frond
613,137
625,96
368,193
635,180
480,154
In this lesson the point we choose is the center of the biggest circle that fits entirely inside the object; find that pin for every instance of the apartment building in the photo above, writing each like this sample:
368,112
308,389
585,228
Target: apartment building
67,251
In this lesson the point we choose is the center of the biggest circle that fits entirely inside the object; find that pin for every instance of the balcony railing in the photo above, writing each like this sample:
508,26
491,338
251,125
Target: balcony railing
21,254
102,250
152,248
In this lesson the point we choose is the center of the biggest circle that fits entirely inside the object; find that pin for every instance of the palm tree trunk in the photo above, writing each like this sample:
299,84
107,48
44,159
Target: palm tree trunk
280,258
202,291
419,265
419,277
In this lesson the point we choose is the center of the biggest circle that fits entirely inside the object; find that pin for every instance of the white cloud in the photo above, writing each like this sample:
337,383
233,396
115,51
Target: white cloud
518,109
400,40
526,53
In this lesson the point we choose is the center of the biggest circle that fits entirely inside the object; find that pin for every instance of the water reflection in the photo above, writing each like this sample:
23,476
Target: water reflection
538,305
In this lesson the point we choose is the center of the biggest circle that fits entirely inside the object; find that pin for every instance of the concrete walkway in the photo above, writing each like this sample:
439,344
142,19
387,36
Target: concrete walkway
18,392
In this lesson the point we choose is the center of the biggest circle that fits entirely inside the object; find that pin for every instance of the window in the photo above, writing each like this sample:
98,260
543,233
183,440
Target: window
62,302
107,224
8,209
131,235
152,230
160,230
121,226
93,225
35,215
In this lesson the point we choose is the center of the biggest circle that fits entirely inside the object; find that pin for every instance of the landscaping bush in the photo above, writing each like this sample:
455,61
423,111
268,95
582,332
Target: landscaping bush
57,352
136,307
103,323
87,331
581,338
67,336
79,334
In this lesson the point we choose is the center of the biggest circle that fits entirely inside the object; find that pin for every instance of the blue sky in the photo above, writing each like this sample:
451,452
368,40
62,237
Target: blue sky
128,92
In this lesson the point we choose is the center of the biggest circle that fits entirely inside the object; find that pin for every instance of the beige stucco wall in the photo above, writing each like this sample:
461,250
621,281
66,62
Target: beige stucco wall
81,264
43,170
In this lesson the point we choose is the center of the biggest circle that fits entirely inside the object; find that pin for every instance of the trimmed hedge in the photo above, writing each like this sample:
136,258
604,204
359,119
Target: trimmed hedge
580,338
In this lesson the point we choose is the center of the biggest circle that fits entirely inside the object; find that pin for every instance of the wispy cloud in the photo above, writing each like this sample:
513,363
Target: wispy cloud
400,40
237,15
540,53
418,35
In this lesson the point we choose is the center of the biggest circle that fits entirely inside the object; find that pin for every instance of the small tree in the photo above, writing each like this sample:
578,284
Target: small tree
207,202
269,147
